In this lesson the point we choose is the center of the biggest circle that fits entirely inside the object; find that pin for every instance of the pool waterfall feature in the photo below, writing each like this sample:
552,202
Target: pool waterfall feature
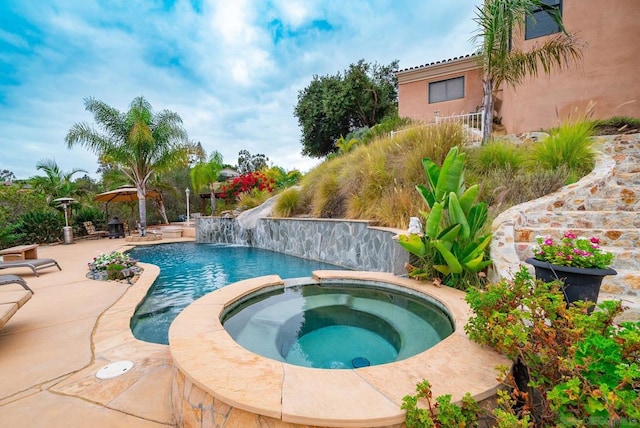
353,244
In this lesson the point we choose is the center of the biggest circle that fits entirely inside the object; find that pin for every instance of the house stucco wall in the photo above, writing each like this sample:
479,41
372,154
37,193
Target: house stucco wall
607,75
413,90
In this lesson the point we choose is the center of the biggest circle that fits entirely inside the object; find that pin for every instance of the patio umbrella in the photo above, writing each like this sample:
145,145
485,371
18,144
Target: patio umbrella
125,194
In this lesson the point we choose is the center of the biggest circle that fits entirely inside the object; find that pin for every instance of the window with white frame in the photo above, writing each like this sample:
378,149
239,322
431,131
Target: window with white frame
445,90
542,21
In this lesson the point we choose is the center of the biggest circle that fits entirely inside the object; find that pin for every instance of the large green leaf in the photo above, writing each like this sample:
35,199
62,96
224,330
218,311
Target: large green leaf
476,249
432,222
468,197
432,171
427,195
448,256
450,233
450,174
414,244
477,217
456,215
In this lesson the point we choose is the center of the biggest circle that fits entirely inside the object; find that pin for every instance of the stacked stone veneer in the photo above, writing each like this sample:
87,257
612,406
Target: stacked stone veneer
195,407
351,244
603,204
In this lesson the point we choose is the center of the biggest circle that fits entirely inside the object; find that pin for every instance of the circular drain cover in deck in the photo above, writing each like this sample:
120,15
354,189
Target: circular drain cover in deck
114,369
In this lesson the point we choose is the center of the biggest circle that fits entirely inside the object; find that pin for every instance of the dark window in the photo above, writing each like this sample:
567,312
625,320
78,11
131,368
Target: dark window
445,90
541,21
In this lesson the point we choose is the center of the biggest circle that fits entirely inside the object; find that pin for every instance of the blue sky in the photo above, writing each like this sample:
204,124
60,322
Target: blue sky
231,69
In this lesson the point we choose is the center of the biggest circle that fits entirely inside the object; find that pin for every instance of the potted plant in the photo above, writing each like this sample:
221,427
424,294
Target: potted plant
578,262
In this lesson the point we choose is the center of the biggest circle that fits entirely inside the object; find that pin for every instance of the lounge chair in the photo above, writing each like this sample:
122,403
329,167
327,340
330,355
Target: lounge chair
12,299
34,264
92,232
14,279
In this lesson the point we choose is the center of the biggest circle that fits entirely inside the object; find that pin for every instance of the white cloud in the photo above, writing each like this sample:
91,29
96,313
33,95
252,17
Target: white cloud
232,70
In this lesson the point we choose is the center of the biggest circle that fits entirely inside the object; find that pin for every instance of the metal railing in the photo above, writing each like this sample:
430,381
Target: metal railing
472,125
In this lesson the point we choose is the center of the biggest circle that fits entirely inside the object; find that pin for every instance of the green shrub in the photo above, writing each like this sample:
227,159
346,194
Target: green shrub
252,198
453,243
114,270
570,146
359,183
504,188
287,203
447,414
37,227
616,125
88,213
497,155
576,369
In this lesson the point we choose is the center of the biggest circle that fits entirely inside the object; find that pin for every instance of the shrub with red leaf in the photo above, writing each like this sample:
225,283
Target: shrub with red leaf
246,183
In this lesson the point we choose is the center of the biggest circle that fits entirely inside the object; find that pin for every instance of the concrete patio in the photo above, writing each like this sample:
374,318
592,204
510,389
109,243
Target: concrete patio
53,346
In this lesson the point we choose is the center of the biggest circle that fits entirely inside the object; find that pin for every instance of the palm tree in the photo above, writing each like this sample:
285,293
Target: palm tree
139,142
498,21
55,183
206,174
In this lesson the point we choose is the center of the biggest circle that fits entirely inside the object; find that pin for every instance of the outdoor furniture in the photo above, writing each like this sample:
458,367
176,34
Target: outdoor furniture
115,228
34,264
12,298
92,232
20,252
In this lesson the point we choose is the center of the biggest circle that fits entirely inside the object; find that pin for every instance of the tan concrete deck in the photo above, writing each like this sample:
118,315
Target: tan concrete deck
52,347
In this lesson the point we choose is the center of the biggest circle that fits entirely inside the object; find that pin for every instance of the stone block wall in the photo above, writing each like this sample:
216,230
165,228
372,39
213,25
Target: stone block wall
348,243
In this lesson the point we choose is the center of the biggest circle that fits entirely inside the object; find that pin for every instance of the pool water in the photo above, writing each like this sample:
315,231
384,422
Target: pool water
336,326
190,270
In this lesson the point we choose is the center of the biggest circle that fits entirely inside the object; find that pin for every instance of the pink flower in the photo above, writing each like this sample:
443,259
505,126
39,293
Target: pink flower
570,235
594,240
548,241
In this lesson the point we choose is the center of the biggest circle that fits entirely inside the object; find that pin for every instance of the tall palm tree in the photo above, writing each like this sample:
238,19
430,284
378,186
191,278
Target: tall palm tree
498,20
139,142
206,174
55,183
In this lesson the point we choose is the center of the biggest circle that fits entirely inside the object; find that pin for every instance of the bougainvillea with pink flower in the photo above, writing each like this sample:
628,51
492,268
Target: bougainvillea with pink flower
246,183
572,250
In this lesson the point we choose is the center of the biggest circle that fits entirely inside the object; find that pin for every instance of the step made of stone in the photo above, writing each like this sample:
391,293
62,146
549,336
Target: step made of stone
584,219
628,195
627,178
627,165
629,238
624,258
612,204
626,282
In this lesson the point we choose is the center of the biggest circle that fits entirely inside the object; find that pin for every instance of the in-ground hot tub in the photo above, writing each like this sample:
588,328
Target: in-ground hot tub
335,324
219,381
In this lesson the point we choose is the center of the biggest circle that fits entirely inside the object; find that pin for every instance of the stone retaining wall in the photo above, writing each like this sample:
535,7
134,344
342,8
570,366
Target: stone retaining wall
348,243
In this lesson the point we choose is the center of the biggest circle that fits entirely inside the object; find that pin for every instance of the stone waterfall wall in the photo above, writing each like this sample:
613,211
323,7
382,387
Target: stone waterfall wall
351,244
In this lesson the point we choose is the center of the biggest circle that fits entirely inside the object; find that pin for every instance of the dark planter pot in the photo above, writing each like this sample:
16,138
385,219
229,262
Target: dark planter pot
580,283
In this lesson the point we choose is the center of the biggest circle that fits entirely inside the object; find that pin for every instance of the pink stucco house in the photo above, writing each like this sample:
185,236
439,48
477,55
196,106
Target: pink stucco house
608,76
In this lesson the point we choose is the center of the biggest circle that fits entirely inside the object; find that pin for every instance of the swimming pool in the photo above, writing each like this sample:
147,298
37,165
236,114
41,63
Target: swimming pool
190,270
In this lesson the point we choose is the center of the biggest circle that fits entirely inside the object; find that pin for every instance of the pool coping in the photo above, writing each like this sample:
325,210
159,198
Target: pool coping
371,396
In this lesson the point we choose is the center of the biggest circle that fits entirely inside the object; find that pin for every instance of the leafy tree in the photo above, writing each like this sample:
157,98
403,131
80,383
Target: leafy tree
206,174
333,106
55,183
250,163
6,175
139,142
498,20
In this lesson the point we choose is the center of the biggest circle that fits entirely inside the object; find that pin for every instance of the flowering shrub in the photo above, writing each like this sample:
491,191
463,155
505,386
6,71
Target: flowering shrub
245,183
572,251
103,261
